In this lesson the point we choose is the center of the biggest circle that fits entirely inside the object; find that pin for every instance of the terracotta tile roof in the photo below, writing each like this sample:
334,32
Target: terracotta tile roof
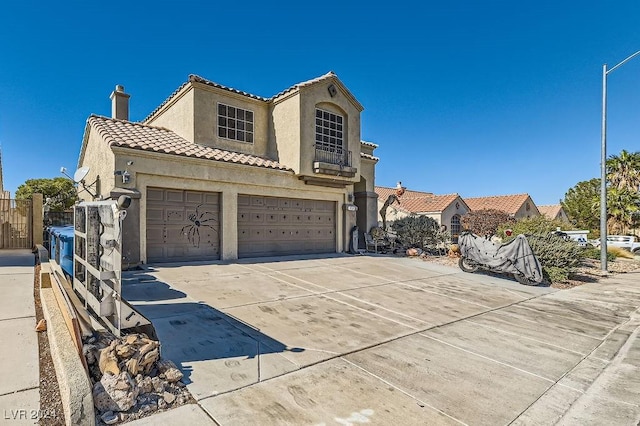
198,79
417,201
371,144
138,136
305,83
384,192
551,211
369,156
507,203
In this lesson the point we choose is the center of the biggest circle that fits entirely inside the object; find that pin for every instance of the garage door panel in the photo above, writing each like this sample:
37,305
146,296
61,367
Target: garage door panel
257,201
155,214
257,218
174,196
193,197
269,226
182,225
175,215
155,234
155,194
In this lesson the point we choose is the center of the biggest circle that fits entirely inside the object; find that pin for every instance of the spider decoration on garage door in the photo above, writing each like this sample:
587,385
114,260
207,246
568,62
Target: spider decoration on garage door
199,220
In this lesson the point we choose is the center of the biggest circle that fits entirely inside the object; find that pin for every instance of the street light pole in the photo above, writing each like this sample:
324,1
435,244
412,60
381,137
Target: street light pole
603,164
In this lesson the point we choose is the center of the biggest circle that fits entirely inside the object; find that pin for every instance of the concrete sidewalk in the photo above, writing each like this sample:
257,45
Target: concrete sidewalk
19,359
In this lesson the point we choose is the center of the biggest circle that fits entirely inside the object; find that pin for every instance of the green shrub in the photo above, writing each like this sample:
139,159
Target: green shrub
532,225
418,231
553,274
594,253
557,256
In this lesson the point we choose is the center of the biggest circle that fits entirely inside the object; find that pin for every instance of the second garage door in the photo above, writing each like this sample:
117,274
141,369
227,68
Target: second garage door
182,225
270,226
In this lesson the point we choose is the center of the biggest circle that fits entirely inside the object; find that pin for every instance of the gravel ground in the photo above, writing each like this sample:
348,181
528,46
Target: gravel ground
588,272
50,401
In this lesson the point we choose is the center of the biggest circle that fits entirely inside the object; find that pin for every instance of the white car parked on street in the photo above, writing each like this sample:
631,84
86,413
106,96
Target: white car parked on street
628,242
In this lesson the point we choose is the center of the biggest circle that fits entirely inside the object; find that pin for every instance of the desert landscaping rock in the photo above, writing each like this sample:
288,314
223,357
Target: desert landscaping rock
168,397
110,418
115,393
144,382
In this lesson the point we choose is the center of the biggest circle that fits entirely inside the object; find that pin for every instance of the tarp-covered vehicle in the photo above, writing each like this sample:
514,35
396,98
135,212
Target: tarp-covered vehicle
514,257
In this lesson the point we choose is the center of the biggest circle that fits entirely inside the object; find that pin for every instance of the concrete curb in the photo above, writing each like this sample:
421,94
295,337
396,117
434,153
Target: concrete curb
75,388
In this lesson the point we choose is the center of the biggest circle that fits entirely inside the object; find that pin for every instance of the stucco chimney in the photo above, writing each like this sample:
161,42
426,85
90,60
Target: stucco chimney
120,103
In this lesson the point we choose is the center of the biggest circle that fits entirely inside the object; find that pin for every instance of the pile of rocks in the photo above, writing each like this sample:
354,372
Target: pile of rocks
129,378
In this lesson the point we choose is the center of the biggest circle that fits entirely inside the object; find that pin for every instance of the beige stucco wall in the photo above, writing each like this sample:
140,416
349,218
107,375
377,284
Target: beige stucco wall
393,213
523,212
206,100
178,114
228,179
285,131
562,216
317,95
451,210
101,161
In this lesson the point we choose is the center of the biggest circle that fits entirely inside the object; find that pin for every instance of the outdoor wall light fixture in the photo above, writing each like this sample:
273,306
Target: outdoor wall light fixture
126,176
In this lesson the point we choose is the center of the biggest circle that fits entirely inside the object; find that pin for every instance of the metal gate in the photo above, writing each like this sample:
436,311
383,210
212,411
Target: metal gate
16,224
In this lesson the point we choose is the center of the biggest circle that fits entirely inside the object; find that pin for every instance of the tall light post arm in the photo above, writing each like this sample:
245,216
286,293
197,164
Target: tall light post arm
622,63
603,163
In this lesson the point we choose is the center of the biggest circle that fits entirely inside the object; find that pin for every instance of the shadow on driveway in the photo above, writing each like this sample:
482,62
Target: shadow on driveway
192,332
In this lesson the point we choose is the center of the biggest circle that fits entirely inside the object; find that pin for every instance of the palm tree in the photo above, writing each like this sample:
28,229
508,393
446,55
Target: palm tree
623,171
623,206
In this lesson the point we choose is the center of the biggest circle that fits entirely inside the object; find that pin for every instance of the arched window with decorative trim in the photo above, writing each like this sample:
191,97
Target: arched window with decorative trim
455,228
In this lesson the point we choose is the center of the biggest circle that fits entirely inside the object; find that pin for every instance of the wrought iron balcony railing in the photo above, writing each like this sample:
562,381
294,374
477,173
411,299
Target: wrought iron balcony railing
338,157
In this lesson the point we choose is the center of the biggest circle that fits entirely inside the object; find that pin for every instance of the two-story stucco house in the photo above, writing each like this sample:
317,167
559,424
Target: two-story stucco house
217,173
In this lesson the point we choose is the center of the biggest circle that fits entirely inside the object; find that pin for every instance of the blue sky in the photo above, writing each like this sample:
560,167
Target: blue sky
478,98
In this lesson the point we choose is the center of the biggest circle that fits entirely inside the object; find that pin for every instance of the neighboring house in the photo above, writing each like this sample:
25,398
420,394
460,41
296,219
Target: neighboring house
517,206
445,209
217,173
554,211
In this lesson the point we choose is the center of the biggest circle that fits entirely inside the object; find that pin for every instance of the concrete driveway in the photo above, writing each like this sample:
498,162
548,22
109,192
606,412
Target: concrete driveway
384,340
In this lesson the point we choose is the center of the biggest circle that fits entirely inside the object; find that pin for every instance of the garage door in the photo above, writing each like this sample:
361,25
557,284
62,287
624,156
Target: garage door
182,225
269,226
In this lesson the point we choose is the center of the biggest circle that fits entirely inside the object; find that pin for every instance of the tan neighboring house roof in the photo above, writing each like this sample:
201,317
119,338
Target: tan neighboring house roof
509,204
552,211
143,137
417,201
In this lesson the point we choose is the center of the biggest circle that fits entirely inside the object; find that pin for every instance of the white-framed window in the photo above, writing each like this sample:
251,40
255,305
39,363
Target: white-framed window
235,123
329,131
455,228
